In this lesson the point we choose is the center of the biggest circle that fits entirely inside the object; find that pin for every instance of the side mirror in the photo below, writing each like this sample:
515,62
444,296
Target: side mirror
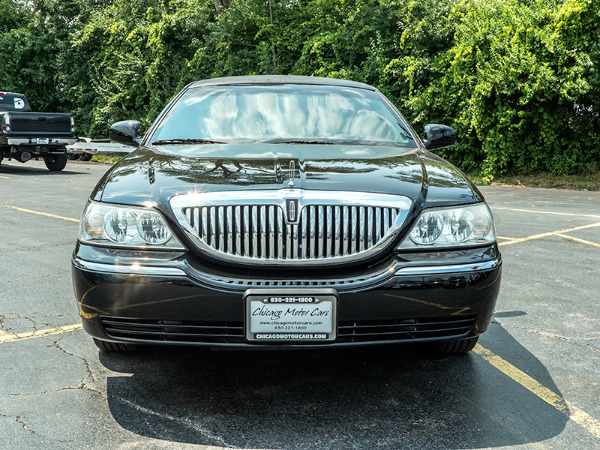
126,132
438,136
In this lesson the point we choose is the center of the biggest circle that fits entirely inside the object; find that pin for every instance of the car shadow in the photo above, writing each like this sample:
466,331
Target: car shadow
29,170
390,397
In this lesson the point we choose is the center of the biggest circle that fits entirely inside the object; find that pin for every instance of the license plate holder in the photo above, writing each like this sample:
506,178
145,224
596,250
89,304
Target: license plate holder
291,315
42,141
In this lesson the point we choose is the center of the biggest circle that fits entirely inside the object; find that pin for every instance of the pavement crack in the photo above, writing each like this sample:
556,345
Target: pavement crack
180,420
37,324
3,328
21,422
88,379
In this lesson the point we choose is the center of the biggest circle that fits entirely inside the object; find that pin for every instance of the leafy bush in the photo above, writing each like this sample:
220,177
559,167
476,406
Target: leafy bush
518,79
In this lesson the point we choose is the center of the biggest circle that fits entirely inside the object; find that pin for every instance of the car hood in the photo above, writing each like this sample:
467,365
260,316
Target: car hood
152,175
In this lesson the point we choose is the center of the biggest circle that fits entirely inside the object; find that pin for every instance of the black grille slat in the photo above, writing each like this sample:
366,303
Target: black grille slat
404,329
200,332
421,324
170,333
233,332
411,332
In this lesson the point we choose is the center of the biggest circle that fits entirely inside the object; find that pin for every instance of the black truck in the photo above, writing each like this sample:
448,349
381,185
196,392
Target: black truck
26,134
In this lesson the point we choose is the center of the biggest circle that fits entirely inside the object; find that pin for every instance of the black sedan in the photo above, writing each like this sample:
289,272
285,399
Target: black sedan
285,212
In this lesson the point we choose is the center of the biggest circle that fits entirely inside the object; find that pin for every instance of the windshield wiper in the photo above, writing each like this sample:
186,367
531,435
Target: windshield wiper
299,141
186,141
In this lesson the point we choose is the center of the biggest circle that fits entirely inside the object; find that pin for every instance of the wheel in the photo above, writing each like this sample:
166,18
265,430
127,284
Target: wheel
73,156
112,347
56,163
454,347
85,156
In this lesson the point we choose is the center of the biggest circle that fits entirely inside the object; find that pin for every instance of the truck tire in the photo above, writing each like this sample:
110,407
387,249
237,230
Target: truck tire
85,156
56,163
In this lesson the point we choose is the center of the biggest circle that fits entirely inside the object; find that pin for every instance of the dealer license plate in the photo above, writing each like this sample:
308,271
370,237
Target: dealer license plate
303,315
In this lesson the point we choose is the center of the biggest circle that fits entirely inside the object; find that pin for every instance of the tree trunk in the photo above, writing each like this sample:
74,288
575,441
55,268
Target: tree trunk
221,5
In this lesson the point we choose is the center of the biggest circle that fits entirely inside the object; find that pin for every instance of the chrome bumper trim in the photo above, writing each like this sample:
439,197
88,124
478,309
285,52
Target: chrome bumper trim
366,282
454,268
131,269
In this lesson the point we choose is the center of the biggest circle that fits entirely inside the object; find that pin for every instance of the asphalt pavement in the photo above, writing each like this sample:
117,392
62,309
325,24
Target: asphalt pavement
532,382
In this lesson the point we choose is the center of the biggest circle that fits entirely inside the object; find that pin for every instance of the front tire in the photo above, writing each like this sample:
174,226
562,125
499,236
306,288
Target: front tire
56,163
454,347
112,347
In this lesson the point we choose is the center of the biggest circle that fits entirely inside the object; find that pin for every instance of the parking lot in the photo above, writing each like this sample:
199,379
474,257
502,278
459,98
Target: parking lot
533,380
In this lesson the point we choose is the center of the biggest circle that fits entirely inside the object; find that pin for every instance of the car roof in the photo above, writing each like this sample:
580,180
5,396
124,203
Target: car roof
280,79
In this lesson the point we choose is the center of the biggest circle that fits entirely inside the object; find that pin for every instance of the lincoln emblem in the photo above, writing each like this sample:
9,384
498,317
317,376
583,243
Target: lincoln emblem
292,173
292,210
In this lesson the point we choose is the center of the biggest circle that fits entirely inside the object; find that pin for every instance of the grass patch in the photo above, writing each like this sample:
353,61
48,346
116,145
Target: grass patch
108,158
589,181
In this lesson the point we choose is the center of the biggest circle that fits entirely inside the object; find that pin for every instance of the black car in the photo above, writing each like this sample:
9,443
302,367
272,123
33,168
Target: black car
285,212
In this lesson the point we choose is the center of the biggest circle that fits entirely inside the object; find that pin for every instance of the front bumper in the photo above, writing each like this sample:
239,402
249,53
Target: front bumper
170,298
33,142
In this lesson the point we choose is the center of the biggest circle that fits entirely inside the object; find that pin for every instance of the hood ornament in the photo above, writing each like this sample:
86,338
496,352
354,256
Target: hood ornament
292,173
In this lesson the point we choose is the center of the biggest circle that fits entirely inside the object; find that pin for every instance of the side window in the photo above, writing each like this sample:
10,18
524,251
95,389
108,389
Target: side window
13,102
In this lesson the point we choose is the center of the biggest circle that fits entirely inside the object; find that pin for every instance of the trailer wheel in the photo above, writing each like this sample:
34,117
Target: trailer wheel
85,156
73,156
56,163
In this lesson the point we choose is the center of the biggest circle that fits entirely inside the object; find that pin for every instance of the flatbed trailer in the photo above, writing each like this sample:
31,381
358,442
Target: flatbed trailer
85,148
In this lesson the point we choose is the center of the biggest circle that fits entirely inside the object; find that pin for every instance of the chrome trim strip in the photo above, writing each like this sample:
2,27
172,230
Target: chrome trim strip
309,243
28,141
354,284
455,268
127,269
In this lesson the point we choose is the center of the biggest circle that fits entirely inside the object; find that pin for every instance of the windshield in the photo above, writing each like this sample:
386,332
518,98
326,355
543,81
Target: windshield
282,113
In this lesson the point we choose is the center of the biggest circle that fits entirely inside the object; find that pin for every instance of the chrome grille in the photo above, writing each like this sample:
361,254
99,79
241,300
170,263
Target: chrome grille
253,225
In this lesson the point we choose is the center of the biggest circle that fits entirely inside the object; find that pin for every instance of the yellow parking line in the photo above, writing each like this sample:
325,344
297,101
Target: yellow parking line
582,241
39,333
550,233
536,211
6,178
54,216
556,401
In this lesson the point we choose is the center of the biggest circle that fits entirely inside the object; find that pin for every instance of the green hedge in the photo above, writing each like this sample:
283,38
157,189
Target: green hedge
518,80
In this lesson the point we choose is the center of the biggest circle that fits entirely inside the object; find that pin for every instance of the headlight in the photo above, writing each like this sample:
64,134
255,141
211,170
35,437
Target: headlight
128,226
458,226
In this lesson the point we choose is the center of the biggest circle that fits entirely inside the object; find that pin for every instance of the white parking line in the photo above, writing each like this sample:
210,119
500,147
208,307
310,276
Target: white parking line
537,211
